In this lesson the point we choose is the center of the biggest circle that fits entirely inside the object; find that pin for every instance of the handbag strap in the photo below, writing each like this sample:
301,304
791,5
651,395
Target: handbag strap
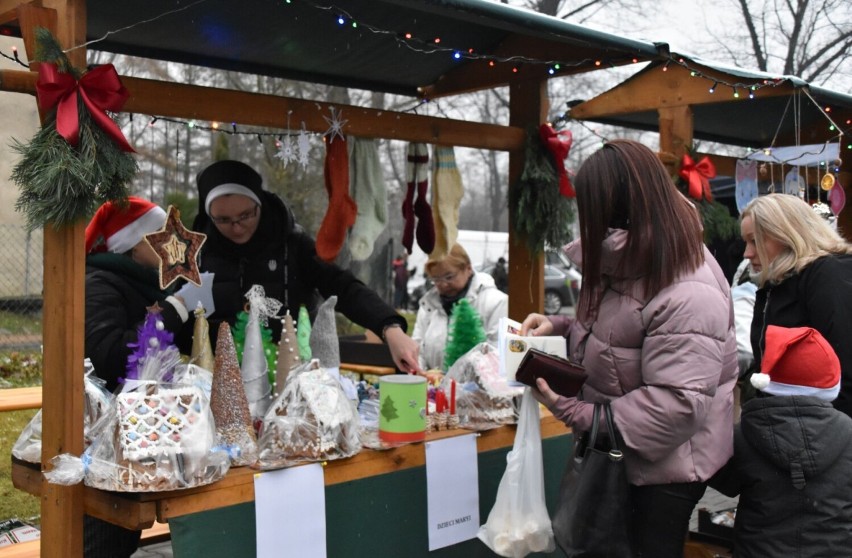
596,418
615,451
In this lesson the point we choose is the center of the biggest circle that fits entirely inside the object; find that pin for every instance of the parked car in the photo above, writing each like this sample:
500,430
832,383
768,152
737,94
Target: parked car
561,286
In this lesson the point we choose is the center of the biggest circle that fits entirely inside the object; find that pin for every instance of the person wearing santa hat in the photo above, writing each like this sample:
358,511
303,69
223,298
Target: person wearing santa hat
803,270
792,462
253,239
122,281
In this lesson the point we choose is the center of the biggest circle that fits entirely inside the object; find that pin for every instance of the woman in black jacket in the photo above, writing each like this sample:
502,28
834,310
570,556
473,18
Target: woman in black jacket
804,274
253,239
121,283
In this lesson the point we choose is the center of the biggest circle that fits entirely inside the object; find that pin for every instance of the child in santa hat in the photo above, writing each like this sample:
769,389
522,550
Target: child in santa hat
792,463
122,281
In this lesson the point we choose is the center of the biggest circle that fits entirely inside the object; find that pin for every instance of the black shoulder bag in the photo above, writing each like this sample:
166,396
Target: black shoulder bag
592,515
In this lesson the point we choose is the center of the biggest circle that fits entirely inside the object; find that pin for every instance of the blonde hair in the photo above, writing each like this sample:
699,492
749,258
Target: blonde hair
790,221
457,258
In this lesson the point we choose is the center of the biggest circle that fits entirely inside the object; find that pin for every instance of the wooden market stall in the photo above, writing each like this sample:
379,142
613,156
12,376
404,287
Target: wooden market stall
687,99
422,49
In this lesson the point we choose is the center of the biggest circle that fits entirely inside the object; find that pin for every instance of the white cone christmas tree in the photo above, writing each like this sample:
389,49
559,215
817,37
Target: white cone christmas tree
288,354
255,368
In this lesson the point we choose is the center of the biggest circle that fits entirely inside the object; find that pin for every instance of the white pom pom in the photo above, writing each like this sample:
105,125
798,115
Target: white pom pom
153,342
160,325
760,381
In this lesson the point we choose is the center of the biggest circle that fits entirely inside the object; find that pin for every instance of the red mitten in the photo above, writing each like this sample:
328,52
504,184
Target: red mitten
415,163
342,209
425,223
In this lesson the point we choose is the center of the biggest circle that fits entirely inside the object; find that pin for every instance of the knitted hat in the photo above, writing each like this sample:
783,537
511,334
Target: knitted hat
798,361
117,228
227,177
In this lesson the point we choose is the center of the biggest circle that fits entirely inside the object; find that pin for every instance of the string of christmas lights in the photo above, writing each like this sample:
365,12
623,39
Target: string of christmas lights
15,58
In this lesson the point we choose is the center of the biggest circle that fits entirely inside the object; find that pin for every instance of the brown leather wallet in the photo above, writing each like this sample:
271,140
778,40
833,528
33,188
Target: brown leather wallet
563,376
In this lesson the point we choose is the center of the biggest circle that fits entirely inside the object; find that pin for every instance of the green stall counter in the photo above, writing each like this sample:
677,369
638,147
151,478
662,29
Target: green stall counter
378,515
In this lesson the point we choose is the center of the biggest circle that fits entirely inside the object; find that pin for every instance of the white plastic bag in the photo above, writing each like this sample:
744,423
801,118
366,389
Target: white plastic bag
519,523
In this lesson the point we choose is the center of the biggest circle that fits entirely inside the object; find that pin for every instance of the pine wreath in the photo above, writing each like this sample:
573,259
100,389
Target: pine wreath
542,215
61,183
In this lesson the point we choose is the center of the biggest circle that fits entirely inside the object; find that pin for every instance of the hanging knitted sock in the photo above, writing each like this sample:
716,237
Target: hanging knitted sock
370,194
447,192
411,164
422,209
342,210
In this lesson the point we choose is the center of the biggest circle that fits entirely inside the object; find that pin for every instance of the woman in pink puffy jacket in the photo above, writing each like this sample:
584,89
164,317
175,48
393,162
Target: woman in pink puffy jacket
655,332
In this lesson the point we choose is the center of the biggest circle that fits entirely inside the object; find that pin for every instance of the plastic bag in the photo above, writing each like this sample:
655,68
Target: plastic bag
519,523
97,401
484,399
312,420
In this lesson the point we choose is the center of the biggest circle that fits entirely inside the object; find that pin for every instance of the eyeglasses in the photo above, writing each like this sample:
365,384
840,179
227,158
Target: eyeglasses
448,278
241,219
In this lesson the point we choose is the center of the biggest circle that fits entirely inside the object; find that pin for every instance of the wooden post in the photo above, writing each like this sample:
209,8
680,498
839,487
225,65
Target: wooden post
528,105
676,129
62,317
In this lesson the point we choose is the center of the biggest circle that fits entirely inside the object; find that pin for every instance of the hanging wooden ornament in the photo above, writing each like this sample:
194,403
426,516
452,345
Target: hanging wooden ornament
827,181
177,247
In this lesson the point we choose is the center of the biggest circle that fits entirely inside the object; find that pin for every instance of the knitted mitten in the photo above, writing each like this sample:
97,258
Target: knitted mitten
371,197
342,210
447,192
422,209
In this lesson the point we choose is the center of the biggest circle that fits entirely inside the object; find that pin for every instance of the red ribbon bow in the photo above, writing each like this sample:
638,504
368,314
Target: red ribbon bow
698,175
100,89
559,144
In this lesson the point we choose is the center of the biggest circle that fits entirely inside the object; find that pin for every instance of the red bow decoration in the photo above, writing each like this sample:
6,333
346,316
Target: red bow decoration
101,91
698,176
559,144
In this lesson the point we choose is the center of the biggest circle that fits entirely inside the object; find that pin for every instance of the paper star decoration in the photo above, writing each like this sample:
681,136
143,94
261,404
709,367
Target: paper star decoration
335,123
177,249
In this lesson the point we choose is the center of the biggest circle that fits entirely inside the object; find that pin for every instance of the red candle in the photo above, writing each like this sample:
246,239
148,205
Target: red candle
452,397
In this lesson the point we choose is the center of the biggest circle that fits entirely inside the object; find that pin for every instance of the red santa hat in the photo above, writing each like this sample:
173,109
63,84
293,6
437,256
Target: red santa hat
118,228
798,361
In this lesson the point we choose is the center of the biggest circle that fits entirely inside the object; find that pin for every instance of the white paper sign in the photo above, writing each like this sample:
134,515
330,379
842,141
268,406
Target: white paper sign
452,490
193,294
290,506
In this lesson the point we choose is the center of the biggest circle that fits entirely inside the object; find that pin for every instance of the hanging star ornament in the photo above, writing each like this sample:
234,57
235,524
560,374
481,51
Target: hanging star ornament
286,152
177,247
304,144
336,124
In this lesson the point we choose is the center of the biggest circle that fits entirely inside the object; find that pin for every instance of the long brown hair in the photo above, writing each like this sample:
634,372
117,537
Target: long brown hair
625,186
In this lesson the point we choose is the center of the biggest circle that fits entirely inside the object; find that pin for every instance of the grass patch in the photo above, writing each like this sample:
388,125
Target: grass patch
14,502
12,323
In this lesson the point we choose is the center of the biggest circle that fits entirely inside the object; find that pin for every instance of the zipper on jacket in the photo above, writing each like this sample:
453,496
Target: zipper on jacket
762,344
242,270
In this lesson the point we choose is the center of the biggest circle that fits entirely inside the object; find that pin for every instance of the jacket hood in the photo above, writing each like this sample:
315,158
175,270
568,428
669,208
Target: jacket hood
800,434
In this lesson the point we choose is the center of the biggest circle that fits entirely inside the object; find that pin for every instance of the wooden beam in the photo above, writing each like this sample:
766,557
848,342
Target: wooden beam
31,16
176,100
653,89
528,106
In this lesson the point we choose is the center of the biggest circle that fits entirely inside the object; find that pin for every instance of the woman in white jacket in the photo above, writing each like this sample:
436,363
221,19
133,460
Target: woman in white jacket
454,278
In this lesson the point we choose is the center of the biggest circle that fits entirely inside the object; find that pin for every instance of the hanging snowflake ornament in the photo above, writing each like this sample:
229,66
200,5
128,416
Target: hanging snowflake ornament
286,152
335,123
304,144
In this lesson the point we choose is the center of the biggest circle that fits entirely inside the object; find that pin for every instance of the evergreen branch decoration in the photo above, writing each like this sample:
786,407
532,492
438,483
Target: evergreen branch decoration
61,183
542,215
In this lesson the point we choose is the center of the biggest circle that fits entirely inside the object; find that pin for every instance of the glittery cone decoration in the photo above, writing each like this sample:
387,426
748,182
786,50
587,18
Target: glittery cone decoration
255,368
288,354
228,402
202,352
325,346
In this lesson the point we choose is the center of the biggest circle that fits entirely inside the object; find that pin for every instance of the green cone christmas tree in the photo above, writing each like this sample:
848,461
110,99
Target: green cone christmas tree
465,332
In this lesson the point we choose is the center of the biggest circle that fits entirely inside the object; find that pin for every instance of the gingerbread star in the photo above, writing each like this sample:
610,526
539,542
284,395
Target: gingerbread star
177,247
